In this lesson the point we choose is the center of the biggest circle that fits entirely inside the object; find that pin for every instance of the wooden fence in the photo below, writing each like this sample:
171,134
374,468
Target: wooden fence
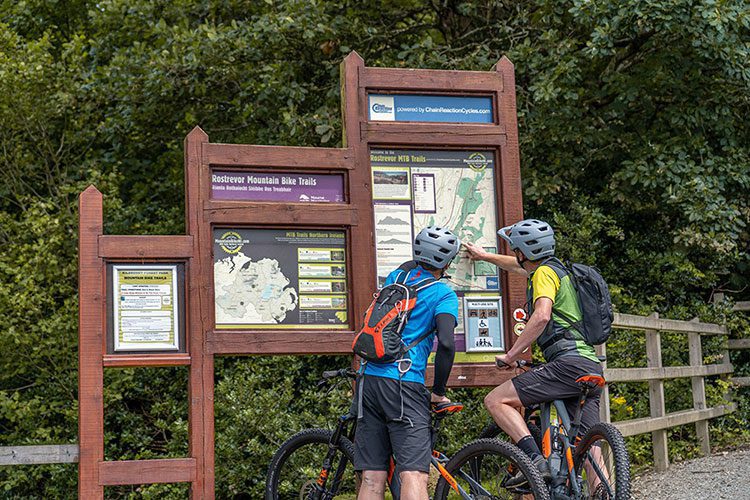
654,373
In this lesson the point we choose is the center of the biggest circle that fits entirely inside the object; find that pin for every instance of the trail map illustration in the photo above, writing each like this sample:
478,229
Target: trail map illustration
453,189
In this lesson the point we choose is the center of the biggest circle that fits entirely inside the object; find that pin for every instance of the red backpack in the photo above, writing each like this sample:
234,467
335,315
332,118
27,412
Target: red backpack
380,339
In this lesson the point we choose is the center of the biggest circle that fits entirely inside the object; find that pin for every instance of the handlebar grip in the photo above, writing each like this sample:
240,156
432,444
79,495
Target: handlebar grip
330,374
500,363
519,364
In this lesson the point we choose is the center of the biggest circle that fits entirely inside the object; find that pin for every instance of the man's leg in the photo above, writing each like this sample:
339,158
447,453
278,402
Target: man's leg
372,449
411,439
373,485
414,485
503,404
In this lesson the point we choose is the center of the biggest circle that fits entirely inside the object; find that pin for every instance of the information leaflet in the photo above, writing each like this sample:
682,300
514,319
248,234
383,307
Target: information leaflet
278,278
145,307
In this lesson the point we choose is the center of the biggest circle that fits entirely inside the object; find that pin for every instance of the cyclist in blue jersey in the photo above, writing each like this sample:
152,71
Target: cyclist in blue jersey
395,404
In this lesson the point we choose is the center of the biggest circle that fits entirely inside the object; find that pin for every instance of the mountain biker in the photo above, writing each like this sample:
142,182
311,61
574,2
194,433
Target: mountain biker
395,413
568,356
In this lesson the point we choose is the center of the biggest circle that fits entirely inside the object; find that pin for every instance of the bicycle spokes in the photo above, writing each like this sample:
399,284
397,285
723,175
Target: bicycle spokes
599,476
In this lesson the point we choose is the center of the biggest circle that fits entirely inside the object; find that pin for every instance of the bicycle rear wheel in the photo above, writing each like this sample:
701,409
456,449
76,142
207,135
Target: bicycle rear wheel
482,467
601,459
296,467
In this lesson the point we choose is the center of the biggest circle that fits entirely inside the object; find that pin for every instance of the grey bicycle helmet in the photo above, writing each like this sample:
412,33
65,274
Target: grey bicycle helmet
534,238
436,246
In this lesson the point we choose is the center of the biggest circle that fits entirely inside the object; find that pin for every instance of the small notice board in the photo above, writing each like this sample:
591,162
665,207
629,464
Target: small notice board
146,302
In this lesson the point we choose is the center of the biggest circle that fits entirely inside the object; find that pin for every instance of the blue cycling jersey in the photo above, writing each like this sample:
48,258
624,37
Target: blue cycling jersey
431,301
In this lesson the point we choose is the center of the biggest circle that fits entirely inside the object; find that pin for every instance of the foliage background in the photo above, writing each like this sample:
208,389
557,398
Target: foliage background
634,144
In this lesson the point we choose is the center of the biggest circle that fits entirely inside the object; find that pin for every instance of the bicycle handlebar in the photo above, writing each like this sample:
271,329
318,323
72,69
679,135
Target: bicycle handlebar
343,372
521,363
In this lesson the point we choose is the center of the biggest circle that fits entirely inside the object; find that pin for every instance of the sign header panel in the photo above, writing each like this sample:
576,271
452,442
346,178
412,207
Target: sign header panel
275,186
430,108
280,279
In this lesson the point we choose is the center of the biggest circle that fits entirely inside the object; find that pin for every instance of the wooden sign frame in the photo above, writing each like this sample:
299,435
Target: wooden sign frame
194,251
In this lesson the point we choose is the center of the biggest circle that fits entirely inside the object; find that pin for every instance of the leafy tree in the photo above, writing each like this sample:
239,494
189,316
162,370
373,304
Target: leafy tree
633,143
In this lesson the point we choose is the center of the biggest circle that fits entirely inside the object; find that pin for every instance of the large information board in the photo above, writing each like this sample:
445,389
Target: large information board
277,278
284,247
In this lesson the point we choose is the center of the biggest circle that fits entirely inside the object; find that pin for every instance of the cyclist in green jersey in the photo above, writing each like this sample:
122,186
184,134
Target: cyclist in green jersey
568,356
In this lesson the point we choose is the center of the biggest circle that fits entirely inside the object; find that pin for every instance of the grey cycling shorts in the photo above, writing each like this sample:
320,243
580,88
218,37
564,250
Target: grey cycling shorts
383,430
557,380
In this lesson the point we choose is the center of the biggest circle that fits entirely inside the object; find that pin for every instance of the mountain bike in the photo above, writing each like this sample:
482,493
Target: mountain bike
318,463
595,466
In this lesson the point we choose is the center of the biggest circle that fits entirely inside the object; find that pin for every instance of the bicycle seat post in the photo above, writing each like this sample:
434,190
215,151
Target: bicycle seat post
576,423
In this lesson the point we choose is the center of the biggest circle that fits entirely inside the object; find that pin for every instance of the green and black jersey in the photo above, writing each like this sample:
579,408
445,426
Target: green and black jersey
559,337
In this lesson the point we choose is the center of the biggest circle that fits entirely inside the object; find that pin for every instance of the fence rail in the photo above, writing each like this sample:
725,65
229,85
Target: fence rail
655,373
35,455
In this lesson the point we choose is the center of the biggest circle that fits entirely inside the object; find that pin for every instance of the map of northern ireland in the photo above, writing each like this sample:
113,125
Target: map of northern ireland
252,292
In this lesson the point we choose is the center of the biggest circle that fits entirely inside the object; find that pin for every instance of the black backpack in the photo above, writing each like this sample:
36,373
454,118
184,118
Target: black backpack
380,339
593,299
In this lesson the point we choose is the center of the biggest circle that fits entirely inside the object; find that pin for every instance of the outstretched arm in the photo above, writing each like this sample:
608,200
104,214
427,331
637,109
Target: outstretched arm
444,357
534,328
505,262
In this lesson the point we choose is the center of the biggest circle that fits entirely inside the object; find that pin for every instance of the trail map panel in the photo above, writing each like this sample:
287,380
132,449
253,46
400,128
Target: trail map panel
280,279
453,189
413,189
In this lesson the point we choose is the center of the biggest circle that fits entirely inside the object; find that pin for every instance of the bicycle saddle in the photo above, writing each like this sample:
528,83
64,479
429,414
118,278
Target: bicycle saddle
591,380
448,408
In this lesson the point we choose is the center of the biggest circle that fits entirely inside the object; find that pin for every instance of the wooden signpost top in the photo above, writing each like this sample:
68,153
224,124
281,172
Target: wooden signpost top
348,272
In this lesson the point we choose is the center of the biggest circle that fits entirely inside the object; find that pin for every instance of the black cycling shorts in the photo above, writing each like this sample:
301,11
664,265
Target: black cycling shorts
557,380
384,430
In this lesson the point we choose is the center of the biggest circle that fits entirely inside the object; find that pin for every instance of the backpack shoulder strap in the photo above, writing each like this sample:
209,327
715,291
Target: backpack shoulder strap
418,340
557,266
401,277
429,281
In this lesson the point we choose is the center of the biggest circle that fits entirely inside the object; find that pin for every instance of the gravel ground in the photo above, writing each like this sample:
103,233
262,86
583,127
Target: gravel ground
724,475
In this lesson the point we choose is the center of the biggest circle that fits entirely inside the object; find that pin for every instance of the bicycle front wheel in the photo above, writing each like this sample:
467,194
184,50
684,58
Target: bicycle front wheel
482,468
297,467
601,460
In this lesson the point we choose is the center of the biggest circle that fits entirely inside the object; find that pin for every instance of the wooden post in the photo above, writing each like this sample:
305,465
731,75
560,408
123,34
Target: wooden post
604,415
510,194
200,445
91,316
699,391
725,358
656,398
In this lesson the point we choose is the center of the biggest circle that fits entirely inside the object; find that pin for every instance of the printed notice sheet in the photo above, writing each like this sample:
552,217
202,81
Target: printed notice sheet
145,307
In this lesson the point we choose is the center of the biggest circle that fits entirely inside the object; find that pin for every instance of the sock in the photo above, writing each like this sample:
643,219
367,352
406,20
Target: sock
528,445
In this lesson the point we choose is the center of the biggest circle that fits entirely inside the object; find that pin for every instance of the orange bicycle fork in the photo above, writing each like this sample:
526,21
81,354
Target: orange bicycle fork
438,459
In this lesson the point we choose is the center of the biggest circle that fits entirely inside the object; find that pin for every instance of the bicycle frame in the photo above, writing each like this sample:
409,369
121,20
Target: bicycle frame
568,431
437,460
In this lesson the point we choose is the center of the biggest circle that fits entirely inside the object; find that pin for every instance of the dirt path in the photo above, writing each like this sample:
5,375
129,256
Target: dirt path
724,475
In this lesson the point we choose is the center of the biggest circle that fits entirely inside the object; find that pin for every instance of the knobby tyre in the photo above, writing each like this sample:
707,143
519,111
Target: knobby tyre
601,459
297,464
491,462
